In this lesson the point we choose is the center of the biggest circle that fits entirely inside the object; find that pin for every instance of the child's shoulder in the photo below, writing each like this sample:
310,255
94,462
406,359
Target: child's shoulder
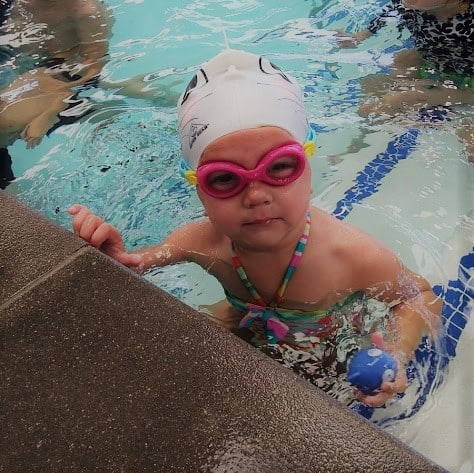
325,220
339,233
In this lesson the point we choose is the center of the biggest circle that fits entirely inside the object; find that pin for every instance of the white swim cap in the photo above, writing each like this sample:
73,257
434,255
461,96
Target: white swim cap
234,91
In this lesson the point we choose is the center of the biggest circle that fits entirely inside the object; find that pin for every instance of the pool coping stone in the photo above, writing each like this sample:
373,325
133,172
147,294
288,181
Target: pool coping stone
103,371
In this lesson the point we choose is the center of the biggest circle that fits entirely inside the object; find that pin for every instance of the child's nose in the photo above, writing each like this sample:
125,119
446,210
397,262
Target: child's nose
257,193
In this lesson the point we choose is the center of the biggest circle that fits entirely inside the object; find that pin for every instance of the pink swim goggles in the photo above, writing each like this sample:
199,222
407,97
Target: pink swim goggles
224,179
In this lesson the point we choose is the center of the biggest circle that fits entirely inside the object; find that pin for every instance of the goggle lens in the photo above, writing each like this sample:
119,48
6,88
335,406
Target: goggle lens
222,182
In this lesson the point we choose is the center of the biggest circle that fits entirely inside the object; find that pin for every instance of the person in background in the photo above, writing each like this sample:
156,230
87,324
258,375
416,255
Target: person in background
437,74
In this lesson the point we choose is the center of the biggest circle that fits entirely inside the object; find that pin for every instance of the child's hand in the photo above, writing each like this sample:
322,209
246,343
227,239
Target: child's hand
101,235
387,389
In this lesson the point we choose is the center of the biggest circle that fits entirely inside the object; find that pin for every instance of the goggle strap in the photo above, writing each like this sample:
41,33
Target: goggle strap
309,148
191,177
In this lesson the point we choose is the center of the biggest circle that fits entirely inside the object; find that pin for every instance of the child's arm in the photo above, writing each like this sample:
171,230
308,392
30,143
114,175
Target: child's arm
181,245
416,312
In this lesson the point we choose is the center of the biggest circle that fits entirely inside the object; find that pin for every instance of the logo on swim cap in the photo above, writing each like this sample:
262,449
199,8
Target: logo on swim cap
195,130
234,91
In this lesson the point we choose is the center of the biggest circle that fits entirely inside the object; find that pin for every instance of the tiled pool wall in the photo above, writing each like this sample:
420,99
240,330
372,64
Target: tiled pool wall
102,371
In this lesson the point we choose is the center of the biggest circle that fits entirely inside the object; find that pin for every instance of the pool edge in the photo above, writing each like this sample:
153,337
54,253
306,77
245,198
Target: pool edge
90,383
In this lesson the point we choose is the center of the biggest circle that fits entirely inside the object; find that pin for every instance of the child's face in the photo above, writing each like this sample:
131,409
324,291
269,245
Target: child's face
261,215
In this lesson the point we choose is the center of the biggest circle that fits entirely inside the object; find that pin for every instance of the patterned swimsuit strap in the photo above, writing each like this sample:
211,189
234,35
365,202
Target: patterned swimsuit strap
295,260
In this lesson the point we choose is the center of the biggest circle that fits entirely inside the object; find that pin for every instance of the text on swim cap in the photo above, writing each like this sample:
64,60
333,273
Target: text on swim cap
194,131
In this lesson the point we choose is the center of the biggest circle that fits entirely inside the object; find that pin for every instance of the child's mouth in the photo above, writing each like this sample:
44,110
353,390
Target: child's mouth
261,221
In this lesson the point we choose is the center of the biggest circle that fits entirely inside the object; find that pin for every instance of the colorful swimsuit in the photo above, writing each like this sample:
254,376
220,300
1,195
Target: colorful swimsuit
315,343
446,45
270,315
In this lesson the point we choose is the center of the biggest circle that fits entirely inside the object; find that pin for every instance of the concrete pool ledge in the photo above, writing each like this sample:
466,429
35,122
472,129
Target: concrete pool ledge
102,371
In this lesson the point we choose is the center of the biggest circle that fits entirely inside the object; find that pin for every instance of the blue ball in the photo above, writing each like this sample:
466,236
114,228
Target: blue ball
369,368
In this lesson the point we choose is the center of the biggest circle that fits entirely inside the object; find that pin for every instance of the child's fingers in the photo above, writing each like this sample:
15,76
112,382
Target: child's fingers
91,224
377,400
100,232
386,392
74,209
85,222
79,212
399,384
377,340
79,217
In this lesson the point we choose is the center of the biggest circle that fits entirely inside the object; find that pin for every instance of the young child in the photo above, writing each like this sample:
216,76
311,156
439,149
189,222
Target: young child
293,275
440,68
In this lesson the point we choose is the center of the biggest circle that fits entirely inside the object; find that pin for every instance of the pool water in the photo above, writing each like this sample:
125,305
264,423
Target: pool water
410,186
